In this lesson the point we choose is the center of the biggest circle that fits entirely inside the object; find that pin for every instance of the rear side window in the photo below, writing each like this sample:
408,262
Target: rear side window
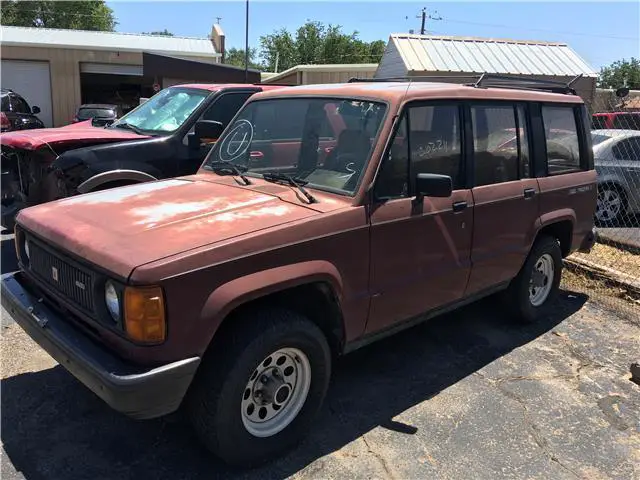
18,105
628,149
5,103
495,143
561,134
598,122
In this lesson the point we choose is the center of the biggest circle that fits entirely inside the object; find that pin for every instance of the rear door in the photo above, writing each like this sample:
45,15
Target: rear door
506,198
420,252
564,166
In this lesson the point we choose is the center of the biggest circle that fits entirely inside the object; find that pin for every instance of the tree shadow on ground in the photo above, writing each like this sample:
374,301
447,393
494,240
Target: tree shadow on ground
53,427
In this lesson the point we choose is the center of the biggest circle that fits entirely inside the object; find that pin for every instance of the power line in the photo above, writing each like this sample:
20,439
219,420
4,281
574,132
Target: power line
585,34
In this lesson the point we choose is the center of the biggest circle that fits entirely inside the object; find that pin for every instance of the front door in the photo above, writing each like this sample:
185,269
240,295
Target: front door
420,252
223,109
506,199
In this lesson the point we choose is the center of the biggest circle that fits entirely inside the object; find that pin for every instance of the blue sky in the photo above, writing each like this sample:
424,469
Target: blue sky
601,32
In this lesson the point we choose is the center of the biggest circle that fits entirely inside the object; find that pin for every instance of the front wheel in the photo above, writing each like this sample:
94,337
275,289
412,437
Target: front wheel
538,282
257,396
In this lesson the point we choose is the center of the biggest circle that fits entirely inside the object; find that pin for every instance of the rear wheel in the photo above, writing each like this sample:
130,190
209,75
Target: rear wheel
257,396
611,204
538,282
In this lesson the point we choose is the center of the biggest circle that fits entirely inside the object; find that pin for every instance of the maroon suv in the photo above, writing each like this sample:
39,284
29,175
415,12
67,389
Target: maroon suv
324,218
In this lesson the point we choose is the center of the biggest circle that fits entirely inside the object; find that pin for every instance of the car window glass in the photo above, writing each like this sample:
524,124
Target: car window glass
5,107
87,113
225,107
563,148
434,140
628,149
393,177
18,105
304,137
495,144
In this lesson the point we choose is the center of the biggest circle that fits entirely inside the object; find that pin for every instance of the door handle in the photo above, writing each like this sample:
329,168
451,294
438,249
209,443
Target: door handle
529,193
459,206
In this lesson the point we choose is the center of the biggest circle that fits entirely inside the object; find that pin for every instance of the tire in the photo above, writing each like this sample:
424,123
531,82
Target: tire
530,304
217,403
611,205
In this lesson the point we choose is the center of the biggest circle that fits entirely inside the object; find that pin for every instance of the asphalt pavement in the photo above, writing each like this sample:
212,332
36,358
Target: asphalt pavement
468,395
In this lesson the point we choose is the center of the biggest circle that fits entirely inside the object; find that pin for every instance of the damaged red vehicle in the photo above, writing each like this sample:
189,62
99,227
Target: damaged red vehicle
167,136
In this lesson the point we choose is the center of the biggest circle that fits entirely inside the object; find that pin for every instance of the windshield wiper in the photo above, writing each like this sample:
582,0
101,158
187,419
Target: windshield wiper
128,126
222,167
293,181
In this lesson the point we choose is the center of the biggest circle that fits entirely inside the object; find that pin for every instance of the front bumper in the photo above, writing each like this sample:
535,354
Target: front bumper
137,392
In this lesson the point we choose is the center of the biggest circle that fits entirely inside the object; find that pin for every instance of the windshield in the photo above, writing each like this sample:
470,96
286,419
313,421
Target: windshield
325,142
166,111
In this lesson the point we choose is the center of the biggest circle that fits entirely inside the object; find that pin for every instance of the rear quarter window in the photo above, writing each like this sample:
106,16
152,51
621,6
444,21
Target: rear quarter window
562,139
627,121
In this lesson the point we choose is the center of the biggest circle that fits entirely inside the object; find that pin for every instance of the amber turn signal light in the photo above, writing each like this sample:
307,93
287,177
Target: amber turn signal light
144,317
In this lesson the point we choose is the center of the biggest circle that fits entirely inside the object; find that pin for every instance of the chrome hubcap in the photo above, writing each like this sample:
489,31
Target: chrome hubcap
609,205
275,392
541,280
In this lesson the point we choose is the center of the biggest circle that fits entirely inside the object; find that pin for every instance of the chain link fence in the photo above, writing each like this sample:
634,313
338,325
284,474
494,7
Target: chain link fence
612,270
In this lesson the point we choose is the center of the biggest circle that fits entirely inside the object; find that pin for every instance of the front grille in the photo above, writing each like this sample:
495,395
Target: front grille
73,283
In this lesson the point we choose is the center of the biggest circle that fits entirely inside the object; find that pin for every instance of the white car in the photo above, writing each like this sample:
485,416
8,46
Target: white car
617,161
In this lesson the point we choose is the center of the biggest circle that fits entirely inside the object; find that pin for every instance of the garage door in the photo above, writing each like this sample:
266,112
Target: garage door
32,81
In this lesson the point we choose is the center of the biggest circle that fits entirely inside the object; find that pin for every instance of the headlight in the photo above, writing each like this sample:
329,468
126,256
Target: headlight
112,301
26,249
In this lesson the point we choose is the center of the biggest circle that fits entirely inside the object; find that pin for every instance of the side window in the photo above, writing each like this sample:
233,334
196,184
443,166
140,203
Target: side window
225,107
18,105
393,177
563,147
495,144
628,149
626,121
434,140
6,107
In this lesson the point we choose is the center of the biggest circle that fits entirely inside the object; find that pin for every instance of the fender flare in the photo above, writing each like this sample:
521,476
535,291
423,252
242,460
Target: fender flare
114,176
231,295
557,216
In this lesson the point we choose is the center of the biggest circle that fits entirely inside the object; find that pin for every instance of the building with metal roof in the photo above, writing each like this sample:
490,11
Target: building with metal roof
328,73
409,55
58,70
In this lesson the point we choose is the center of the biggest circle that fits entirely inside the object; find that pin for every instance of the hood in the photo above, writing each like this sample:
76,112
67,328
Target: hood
122,228
78,134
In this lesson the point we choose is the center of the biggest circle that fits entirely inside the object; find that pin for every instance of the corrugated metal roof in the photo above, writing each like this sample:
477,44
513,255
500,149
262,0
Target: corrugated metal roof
328,67
89,40
426,53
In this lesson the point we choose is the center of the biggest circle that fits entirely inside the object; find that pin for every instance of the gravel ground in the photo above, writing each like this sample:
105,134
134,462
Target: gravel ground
469,395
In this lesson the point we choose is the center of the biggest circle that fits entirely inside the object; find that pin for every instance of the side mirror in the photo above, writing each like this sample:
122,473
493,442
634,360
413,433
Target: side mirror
622,92
35,110
433,185
208,129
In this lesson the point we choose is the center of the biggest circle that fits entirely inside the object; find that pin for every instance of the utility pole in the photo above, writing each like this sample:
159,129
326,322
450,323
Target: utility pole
218,20
246,46
424,15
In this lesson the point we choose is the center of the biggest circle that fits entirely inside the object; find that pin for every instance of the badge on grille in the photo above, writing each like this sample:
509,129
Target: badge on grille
54,273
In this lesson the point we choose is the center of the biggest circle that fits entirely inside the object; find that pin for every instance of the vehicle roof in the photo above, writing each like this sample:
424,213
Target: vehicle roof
98,105
616,132
396,91
214,87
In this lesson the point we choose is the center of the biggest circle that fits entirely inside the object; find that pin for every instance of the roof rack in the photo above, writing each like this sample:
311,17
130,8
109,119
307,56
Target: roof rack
489,80
409,79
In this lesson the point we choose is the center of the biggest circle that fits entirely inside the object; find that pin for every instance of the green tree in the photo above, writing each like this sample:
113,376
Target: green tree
621,73
235,56
315,43
74,15
164,33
